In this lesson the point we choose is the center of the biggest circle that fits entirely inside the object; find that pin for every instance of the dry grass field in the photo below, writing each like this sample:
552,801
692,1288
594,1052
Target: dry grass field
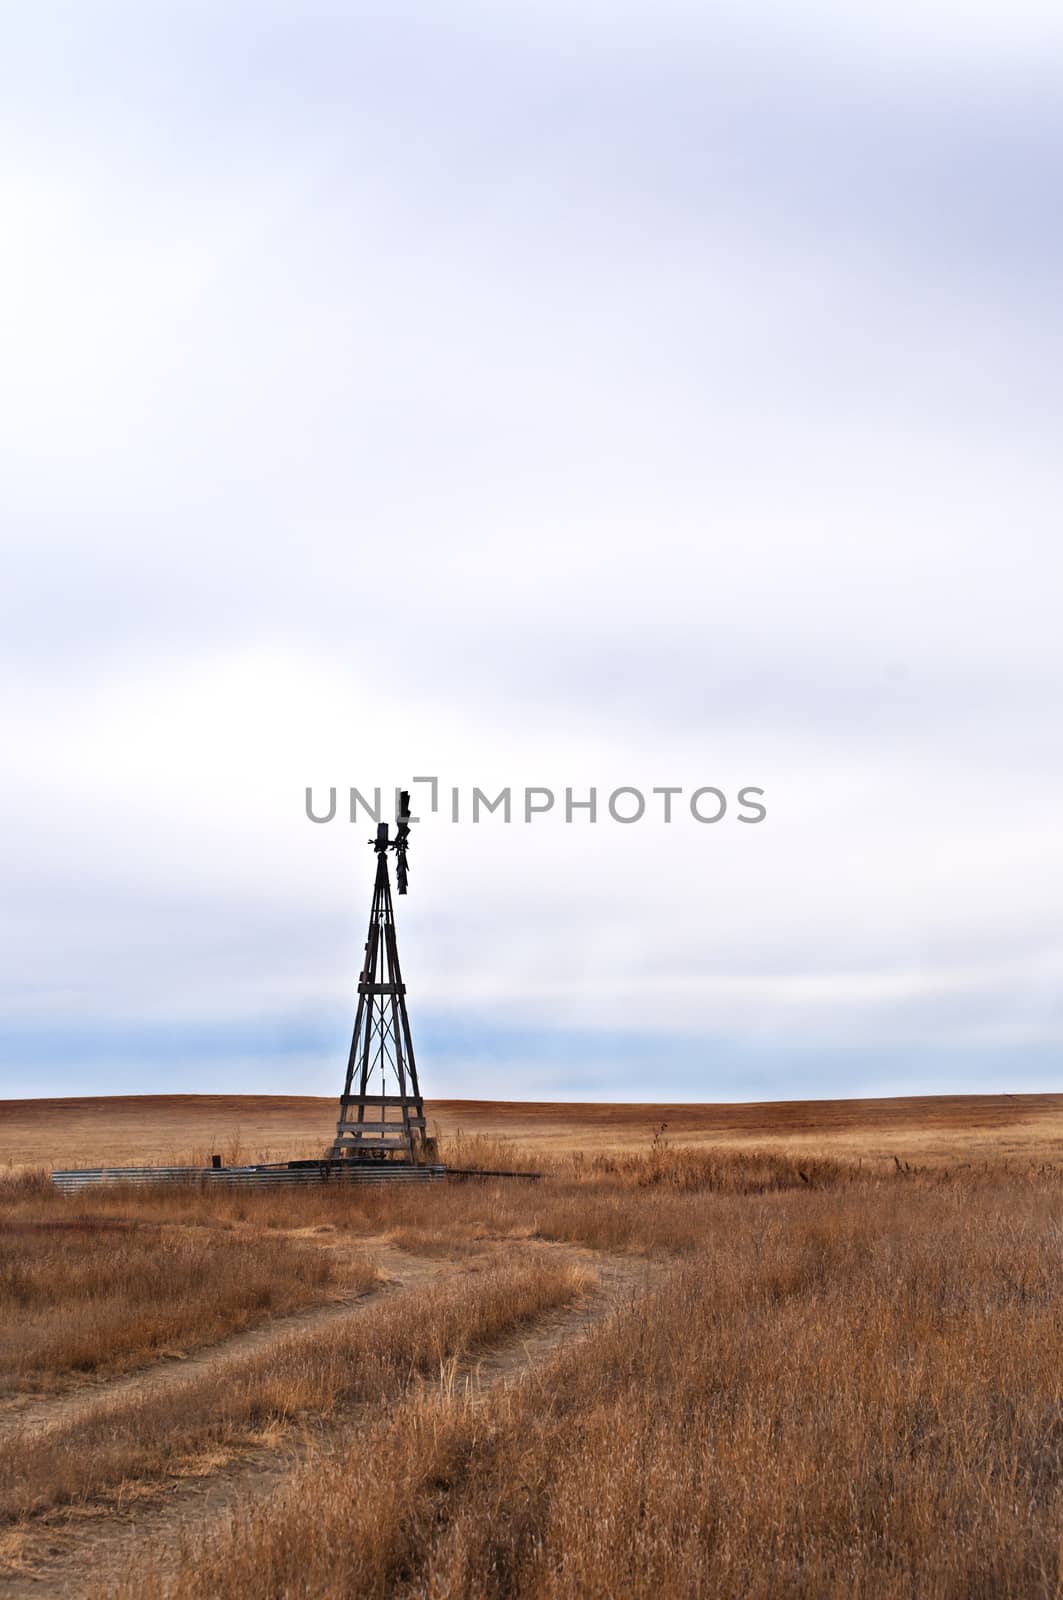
126,1130
732,1357
103,1294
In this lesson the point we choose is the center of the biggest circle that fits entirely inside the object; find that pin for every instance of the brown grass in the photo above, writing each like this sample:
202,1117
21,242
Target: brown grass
84,1291
852,1392
848,1385
578,1202
694,1170
142,1129
371,1358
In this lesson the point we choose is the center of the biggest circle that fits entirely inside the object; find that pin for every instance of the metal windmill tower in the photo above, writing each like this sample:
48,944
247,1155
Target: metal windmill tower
381,1111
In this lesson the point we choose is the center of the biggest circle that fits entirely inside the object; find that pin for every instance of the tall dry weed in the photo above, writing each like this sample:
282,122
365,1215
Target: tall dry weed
101,1294
371,1358
849,1393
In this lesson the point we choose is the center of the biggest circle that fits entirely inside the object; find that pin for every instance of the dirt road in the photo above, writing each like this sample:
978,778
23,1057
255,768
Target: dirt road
84,1552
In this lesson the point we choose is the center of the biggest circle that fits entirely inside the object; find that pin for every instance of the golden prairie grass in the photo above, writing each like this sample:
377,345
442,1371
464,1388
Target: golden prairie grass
104,1294
310,1376
132,1130
840,1392
690,1170
849,1384
493,1152
578,1201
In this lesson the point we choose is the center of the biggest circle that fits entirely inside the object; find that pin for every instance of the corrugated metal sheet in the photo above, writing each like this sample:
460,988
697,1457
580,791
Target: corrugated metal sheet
251,1177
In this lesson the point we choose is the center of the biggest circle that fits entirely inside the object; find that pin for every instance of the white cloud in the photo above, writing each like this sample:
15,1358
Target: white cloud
345,440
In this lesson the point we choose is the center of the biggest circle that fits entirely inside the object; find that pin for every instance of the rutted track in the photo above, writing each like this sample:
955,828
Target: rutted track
82,1554
400,1271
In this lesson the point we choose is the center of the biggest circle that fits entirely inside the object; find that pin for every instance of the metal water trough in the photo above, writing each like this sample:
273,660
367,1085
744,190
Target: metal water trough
256,1177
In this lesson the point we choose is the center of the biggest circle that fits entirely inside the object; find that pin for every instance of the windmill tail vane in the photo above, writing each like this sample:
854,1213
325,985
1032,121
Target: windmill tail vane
381,1110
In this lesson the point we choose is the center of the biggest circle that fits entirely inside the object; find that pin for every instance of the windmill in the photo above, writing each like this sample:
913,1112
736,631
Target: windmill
381,1111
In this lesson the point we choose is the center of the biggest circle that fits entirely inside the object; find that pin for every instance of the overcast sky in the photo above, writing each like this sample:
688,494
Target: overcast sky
564,394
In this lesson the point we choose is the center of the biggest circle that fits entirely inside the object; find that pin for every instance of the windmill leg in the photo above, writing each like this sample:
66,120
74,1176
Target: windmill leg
369,1032
395,986
360,1040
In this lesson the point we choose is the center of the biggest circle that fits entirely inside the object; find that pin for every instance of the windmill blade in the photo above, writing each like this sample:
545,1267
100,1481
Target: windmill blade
402,834
402,820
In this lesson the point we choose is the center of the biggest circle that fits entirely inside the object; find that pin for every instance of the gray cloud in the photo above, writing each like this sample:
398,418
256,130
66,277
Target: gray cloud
506,398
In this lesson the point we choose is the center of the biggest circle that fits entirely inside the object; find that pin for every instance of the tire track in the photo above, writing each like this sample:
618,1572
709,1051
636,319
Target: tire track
82,1555
400,1271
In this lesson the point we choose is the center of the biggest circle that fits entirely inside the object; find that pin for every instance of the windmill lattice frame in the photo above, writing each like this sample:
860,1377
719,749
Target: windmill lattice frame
375,1125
